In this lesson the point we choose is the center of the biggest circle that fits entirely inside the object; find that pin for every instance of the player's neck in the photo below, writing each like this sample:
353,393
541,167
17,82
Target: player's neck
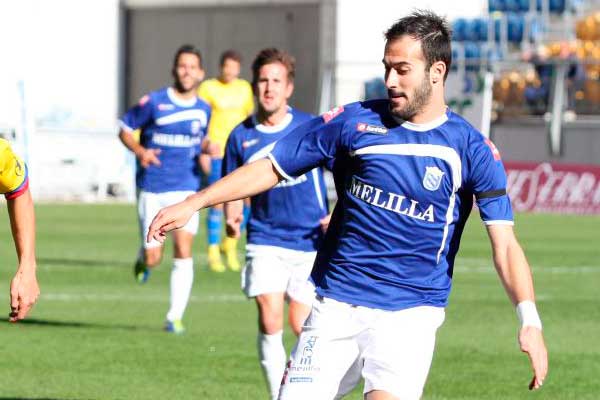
184,94
434,110
271,119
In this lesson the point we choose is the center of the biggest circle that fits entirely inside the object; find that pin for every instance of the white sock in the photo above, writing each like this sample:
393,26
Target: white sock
271,354
182,276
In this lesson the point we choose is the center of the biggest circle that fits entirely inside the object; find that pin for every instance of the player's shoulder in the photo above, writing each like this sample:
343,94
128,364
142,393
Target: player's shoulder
300,116
242,129
242,83
4,145
460,126
359,109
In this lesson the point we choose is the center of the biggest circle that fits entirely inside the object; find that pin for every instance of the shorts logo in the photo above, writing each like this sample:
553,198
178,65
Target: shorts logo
301,379
363,127
248,143
331,114
494,149
307,351
196,124
166,107
433,178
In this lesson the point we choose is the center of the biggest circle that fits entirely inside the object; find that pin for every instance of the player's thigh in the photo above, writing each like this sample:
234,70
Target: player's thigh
297,314
263,272
300,288
398,351
325,352
148,205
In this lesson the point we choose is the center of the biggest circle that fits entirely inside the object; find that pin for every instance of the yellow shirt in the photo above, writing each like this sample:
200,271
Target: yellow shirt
13,173
230,104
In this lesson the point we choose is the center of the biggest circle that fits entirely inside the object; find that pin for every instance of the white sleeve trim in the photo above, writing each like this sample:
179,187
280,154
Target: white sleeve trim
125,127
278,168
499,222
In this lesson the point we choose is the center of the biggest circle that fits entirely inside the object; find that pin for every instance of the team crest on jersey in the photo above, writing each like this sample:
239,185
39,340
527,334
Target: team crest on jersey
363,127
166,107
494,149
331,114
196,125
433,178
18,167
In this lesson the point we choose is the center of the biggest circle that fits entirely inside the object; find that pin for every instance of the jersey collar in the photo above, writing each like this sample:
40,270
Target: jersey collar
180,102
275,128
427,126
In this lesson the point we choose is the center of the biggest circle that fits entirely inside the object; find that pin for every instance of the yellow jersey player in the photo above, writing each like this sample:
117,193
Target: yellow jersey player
14,184
230,99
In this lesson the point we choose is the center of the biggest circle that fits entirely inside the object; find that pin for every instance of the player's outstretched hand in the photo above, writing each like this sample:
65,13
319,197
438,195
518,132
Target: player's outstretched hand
233,224
24,291
149,157
531,341
170,218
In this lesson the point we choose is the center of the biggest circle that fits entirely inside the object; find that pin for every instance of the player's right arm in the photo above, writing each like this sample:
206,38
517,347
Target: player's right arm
310,145
138,117
14,182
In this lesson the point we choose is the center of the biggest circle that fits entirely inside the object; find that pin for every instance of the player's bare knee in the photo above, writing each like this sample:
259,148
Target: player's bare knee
152,258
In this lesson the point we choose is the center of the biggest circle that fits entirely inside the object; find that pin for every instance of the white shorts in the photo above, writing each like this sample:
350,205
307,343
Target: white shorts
149,204
271,269
341,343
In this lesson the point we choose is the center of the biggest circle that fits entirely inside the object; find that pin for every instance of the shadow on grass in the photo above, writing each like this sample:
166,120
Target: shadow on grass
81,263
75,324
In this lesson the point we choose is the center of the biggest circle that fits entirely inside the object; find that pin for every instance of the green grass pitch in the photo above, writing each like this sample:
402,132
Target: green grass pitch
95,334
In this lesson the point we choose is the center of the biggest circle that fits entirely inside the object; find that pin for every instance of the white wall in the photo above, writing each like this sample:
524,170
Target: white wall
360,29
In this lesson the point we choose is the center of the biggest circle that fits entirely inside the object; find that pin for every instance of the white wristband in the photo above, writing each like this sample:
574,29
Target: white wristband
528,315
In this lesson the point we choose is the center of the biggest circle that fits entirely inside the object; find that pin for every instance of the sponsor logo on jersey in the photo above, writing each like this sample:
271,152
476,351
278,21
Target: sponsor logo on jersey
195,128
494,149
364,127
166,107
249,143
18,167
144,100
331,114
394,202
169,140
433,178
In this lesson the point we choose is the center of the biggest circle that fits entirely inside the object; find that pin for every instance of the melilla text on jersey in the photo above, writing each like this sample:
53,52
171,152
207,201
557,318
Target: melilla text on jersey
170,140
393,202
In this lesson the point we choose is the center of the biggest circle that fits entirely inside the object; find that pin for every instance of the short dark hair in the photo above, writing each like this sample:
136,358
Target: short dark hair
270,56
230,55
187,49
431,30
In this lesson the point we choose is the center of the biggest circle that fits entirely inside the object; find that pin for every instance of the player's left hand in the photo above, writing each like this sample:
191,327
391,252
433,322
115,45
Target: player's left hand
532,343
325,222
24,292
170,218
212,149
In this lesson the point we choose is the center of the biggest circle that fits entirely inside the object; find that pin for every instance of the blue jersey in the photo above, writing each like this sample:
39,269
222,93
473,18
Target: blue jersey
405,192
287,215
176,127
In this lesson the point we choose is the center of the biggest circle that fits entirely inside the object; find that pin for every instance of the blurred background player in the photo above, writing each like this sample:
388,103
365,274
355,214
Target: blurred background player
286,223
230,99
14,184
172,122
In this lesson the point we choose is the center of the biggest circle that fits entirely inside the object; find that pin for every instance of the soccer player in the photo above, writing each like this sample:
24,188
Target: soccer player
230,99
286,223
173,122
14,184
406,170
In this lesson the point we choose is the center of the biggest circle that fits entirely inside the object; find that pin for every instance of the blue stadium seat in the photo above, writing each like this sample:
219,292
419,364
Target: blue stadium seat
495,5
459,28
477,30
555,6
516,27
472,55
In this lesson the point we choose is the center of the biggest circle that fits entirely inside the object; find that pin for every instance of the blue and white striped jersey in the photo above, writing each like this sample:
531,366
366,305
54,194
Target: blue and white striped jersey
405,192
287,215
176,127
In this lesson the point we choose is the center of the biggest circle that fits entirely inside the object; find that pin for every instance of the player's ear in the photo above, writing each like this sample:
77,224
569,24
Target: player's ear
289,89
201,75
437,72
